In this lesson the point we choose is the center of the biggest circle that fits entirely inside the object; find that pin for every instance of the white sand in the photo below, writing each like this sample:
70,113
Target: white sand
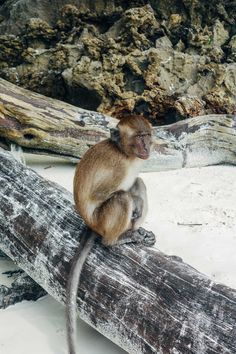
193,214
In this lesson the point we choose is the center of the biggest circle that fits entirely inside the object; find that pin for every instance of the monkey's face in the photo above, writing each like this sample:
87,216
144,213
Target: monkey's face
135,137
137,143
141,145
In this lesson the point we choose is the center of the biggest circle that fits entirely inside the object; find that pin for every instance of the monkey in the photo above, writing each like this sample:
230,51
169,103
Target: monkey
110,197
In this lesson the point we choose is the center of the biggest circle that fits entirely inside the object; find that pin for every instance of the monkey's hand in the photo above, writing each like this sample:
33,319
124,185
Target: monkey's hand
140,236
137,212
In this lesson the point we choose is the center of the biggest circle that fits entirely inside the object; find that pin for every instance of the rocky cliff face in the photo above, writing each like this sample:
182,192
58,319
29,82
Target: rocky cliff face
166,59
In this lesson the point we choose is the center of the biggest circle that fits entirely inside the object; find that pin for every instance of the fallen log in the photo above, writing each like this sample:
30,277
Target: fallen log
140,298
22,288
47,126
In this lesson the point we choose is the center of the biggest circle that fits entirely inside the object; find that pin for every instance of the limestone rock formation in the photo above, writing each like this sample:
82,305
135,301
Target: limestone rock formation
166,59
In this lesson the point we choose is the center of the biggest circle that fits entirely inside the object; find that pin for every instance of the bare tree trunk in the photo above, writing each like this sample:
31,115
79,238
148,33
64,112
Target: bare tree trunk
141,299
43,125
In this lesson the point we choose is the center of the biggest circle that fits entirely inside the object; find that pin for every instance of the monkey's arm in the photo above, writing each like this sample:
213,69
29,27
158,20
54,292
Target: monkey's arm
138,297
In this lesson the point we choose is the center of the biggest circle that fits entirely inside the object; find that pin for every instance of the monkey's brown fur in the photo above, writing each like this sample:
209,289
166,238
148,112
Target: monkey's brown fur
105,176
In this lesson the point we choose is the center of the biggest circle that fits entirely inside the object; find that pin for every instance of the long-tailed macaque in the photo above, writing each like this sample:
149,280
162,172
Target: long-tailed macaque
110,197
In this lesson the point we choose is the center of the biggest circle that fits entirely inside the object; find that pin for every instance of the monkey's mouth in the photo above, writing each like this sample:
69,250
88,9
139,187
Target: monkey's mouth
143,156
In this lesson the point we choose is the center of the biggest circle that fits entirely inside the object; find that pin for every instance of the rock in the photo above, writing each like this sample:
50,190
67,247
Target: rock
180,47
188,106
175,20
70,17
209,41
136,28
218,100
232,43
166,60
38,33
222,95
232,50
220,34
11,49
163,42
16,13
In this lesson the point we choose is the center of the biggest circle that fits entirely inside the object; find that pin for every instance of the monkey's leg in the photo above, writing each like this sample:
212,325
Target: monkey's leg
113,217
138,208
138,234
139,194
113,221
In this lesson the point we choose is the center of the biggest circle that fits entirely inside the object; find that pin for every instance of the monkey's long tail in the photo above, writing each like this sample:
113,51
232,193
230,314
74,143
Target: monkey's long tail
81,254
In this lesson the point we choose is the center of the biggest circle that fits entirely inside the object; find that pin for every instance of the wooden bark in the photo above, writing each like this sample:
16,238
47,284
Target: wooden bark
43,125
22,288
140,298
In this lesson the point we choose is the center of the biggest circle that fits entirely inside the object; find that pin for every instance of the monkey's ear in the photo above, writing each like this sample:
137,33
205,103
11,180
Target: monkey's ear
115,135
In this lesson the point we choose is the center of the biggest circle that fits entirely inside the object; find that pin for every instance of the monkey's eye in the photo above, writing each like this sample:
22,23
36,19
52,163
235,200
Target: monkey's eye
143,135
140,135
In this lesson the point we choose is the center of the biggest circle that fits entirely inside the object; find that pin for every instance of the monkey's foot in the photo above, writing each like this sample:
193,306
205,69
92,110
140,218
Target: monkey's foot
140,236
147,237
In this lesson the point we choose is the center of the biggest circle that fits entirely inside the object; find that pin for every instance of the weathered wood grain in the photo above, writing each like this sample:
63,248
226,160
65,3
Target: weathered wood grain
22,288
195,142
140,298
43,125
46,125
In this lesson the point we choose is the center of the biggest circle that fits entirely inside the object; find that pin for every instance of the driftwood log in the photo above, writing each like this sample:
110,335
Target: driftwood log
43,125
22,288
141,299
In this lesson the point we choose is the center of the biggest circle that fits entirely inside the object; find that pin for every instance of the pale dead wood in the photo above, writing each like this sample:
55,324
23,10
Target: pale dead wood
22,288
43,125
140,298
195,142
